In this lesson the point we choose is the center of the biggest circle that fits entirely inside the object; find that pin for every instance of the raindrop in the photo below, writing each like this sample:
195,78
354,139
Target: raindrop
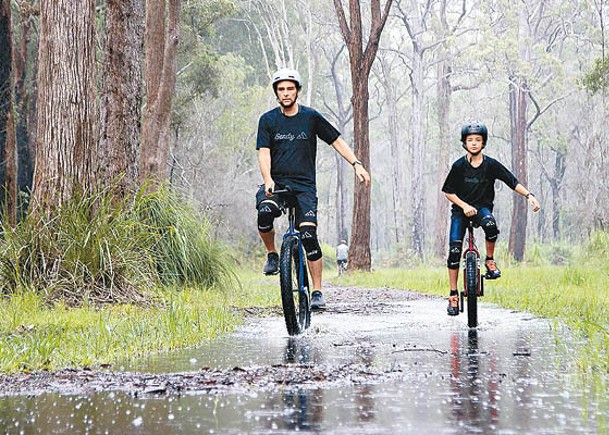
138,421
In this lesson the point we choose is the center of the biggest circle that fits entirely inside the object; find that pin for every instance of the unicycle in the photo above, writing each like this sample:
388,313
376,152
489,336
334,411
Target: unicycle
293,274
473,281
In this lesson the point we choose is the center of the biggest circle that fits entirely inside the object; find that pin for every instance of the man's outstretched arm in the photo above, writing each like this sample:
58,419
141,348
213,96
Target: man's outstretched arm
347,153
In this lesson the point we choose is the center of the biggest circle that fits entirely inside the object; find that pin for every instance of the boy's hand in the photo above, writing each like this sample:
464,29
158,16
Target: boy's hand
469,210
534,203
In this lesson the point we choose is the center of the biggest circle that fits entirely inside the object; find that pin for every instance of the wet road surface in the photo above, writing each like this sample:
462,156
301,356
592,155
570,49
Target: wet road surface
377,361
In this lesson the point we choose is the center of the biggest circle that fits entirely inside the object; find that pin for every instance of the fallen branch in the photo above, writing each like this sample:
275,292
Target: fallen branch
421,349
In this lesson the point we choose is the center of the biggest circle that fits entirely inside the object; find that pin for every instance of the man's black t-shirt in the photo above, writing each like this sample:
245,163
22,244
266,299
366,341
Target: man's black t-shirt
293,142
476,186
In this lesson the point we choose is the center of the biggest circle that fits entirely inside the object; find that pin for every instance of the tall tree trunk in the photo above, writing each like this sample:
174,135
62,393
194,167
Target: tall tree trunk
359,251
160,85
418,155
556,180
415,19
444,91
121,94
391,86
67,109
343,114
518,92
360,62
25,103
8,154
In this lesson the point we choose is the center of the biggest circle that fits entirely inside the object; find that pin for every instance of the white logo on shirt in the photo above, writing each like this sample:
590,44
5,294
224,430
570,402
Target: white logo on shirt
291,137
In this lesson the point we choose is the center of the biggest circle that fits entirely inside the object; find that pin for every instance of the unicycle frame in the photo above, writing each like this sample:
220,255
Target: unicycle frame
473,285
297,318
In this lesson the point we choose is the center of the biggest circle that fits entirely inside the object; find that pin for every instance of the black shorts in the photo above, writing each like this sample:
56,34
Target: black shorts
306,203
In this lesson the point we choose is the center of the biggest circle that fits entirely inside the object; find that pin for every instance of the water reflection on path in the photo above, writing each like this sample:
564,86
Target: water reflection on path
507,377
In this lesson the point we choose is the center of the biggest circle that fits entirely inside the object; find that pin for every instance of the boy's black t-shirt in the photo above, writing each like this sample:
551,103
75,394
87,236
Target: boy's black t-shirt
476,186
293,142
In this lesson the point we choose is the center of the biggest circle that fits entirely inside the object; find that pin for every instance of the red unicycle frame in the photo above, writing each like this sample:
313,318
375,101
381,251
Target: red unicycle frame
473,281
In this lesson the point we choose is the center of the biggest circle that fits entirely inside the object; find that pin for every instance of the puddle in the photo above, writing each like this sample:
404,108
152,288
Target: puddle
509,376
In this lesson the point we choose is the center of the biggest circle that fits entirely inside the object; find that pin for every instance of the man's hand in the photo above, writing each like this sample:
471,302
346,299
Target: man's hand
469,210
534,203
269,186
362,175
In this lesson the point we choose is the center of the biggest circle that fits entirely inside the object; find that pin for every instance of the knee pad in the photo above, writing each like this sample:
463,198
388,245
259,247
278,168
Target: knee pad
489,225
267,212
308,234
454,255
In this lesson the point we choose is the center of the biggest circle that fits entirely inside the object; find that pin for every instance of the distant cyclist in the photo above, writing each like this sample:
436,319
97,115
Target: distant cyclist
470,186
287,148
342,253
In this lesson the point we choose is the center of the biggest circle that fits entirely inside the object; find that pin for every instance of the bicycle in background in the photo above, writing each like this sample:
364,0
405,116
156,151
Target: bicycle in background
342,266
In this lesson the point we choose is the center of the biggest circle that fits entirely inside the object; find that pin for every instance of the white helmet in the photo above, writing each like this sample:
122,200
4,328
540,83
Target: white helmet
287,74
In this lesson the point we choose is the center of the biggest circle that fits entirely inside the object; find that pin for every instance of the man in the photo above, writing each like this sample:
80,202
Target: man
342,254
470,186
287,147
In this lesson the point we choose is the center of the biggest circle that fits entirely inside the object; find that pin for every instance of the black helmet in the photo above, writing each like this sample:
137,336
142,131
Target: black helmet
287,74
474,128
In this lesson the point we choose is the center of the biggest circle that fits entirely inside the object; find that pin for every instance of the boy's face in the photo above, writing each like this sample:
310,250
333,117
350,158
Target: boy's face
474,143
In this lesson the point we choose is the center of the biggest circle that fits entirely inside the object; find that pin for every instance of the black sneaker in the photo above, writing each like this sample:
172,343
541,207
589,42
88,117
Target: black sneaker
317,301
453,305
492,271
271,267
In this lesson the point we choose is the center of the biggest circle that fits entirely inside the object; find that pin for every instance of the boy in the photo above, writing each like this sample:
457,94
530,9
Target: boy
470,187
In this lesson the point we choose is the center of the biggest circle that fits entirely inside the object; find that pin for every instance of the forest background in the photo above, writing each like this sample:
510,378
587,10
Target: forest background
198,72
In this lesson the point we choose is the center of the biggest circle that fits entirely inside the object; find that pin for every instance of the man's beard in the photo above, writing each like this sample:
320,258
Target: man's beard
287,106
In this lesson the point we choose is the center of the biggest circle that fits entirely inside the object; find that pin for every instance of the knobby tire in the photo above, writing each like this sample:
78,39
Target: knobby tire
296,304
472,275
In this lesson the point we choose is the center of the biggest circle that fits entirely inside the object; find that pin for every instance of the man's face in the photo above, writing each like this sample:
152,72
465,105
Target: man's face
287,92
474,143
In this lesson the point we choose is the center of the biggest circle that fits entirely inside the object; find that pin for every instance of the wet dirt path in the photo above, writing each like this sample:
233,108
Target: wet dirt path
376,361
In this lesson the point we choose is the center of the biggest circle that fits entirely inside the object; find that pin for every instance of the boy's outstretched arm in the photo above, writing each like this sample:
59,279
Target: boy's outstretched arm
467,209
529,196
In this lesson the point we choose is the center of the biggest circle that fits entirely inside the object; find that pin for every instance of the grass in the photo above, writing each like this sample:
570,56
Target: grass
34,336
94,248
99,280
577,295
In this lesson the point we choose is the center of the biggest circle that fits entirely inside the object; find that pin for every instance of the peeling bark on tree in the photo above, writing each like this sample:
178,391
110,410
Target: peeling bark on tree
160,86
121,95
67,106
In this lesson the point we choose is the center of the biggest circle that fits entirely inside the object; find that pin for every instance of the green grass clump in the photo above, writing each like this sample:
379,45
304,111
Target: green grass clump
100,279
182,250
35,336
95,248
